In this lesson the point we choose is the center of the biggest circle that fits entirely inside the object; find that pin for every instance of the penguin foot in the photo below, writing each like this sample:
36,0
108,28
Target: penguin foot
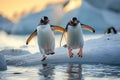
70,54
52,53
80,53
80,56
44,58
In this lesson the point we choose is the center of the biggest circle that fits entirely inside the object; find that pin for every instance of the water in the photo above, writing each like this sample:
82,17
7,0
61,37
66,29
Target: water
65,71
62,72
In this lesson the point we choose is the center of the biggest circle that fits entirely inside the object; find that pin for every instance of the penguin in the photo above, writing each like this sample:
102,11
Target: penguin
45,37
74,34
110,30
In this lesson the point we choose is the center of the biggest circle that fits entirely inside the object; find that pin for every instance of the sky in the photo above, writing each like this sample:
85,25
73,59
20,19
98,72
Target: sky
14,8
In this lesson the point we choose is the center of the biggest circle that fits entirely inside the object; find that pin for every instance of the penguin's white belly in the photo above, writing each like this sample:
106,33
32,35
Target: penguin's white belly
46,40
75,37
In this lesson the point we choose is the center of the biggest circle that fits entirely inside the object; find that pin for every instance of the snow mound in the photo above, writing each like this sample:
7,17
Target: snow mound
112,18
5,24
105,50
15,56
3,65
110,11
113,5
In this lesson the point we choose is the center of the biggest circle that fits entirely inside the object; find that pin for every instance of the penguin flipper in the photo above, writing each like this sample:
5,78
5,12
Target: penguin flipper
31,36
57,28
60,29
87,27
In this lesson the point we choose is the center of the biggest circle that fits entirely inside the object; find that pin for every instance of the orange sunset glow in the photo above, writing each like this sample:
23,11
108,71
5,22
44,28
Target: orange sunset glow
72,5
15,8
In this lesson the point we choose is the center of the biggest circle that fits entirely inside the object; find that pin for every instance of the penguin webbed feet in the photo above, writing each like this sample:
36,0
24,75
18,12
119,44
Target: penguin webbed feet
52,53
71,54
44,58
80,56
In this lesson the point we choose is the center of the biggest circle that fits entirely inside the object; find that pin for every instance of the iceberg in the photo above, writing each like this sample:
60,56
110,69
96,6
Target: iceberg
91,12
5,24
3,65
89,15
112,18
28,24
112,5
110,11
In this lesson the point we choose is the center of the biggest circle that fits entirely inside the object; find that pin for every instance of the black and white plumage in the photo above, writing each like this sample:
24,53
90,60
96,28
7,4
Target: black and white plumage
74,34
45,36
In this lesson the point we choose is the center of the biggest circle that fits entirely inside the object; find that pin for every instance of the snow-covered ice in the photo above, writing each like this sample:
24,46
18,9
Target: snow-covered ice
104,50
3,65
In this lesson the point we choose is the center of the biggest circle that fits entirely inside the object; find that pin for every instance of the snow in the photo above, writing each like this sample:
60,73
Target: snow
3,65
112,18
108,4
110,11
104,50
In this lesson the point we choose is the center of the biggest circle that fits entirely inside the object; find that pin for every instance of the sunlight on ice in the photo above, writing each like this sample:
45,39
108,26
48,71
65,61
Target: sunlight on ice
19,42
72,5
93,78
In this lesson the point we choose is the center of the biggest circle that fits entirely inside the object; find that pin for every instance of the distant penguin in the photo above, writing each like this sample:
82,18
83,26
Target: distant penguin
45,36
74,34
110,30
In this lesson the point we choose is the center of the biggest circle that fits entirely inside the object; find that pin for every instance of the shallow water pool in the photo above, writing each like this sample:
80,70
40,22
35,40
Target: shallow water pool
62,72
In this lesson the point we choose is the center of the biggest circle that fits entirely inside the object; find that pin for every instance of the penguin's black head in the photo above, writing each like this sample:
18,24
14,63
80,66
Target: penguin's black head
74,21
44,20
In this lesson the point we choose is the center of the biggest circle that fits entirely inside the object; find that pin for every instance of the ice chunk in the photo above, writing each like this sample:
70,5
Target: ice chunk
3,65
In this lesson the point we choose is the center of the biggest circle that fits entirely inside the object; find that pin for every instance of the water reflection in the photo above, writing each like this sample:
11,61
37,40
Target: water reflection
47,72
74,71
78,72
62,72
67,72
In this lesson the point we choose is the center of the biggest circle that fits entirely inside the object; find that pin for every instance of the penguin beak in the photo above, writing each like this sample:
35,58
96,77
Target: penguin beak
75,22
47,21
